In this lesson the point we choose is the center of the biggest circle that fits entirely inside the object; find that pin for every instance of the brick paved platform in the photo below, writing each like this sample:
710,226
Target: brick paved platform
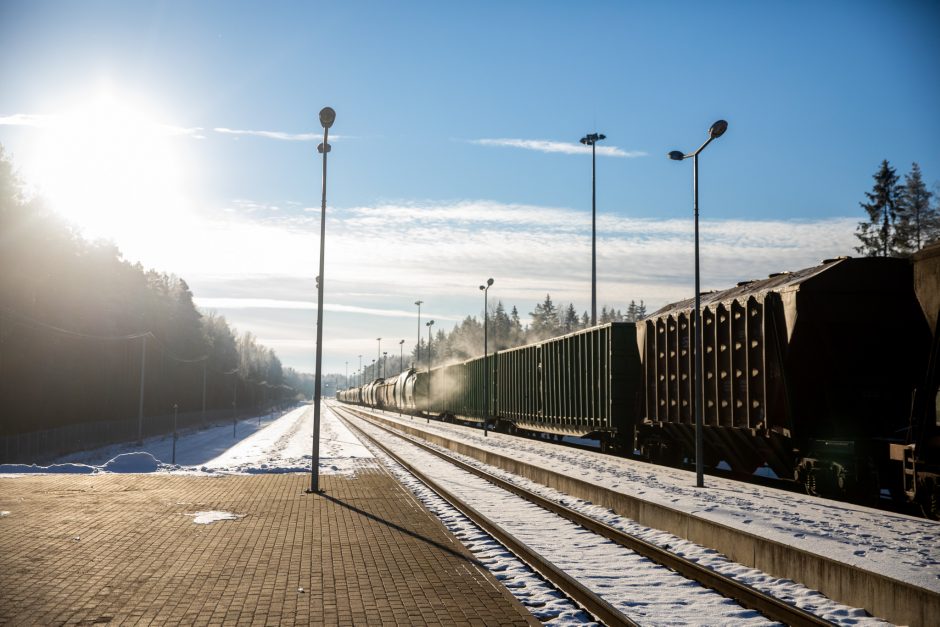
125,549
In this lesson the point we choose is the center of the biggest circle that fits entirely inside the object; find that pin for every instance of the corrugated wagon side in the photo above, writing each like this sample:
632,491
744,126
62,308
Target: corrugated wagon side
796,373
582,384
462,389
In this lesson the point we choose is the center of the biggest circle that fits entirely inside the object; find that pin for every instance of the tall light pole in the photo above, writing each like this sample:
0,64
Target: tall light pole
590,140
140,406
360,371
378,357
717,130
418,345
428,414
486,369
384,364
327,117
401,369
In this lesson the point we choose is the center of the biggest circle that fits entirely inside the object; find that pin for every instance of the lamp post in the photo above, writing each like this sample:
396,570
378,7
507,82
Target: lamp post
360,371
378,357
590,140
717,130
486,369
401,369
327,117
418,345
175,434
384,364
428,414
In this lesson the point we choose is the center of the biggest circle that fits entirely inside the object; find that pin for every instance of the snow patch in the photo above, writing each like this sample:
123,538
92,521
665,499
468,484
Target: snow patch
4,513
25,469
132,462
207,518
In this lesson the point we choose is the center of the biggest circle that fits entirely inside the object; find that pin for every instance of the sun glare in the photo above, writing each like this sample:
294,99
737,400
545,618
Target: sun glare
112,169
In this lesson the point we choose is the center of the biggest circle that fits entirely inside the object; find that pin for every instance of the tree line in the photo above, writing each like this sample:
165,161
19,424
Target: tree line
78,325
901,217
504,331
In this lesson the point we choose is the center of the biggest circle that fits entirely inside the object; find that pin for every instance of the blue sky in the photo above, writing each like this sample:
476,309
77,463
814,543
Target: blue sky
816,95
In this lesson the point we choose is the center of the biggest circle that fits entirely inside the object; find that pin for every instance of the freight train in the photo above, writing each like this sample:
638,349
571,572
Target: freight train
828,375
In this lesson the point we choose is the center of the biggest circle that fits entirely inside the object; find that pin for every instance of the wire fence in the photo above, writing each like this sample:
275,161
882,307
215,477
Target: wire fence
42,447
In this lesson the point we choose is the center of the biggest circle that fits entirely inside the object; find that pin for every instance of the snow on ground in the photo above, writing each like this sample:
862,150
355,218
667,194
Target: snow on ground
898,546
267,444
207,518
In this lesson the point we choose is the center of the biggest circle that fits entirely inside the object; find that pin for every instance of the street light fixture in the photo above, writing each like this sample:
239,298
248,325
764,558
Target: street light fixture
427,415
590,140
384,364
486,369
327,117
418,345
717,130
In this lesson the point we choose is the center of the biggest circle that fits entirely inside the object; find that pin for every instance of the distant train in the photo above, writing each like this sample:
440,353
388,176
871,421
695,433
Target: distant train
828,375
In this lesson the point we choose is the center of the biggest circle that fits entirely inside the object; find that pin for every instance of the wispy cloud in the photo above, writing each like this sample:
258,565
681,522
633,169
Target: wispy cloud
271,303
43,121
451,246
290,137
544,145
26,119
259,267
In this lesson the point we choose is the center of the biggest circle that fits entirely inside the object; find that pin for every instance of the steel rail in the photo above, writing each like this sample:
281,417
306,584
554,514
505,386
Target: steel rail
768,605
591,602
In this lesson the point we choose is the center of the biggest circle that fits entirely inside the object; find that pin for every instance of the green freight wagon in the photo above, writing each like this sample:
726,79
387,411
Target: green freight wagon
582,384
460,390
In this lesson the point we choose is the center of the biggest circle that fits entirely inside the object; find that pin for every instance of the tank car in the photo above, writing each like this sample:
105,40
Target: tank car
798,373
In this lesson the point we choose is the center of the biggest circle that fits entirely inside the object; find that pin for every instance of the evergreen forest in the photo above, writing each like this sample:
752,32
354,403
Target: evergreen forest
79,324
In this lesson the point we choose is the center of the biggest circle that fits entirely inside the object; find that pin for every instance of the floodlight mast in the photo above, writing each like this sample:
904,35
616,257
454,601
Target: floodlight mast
590,140
327,117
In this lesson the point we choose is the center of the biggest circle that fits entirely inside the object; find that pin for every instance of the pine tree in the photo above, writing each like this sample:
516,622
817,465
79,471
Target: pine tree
876,235
585,320
631,311
915,213
571,319
545,322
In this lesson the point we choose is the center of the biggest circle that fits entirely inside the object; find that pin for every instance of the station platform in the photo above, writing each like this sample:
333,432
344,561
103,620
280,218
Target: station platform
124,549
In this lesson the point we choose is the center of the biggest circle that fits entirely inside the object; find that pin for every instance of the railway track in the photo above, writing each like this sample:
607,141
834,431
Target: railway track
609,613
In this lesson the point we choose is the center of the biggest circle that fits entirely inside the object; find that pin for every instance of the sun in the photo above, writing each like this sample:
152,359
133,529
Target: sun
111,168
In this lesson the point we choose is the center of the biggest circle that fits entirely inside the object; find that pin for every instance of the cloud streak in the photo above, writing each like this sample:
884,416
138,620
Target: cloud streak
279,135
26,119
43,121
259,267
544,145
270,303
